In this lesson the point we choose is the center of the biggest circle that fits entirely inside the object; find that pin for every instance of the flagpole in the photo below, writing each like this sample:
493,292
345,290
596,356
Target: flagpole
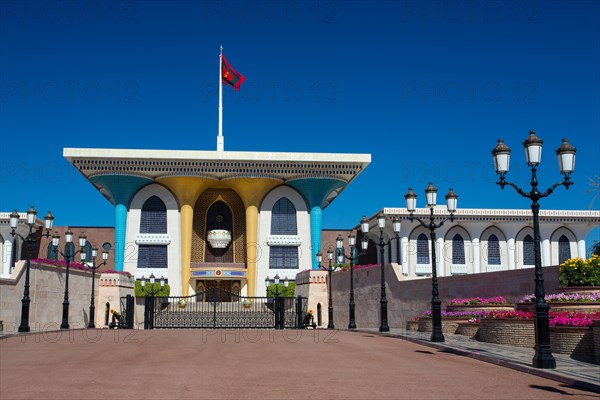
220,138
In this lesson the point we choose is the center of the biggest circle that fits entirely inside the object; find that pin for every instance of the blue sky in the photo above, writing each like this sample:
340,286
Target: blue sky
425,87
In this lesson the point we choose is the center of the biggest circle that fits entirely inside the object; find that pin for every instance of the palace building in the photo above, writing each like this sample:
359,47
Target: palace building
216,218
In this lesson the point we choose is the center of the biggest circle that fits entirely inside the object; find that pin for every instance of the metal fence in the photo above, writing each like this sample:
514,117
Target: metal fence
209,310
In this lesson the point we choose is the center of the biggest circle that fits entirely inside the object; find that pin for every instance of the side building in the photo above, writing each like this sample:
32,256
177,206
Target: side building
480,240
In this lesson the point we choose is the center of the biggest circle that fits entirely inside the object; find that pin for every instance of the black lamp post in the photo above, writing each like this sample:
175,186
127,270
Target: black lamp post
150,291
566,162
14,220
68,254
364,226
329,270
339,244
278,307
94,267
411,204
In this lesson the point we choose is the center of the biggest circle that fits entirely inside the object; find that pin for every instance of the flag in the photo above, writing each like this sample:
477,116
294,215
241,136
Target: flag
230,76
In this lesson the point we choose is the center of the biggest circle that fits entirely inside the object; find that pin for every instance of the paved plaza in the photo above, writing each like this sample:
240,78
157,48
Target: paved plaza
254,364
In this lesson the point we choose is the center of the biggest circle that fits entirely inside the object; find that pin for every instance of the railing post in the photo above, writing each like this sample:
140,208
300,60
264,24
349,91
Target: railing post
130,307
146,313
299,315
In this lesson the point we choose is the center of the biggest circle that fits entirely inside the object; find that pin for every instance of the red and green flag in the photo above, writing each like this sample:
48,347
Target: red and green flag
230,76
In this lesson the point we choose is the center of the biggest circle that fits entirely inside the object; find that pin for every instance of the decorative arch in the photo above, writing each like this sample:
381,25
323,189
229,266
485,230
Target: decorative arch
219,216
493,254
458,251
568,245
524,248
418,252
238,239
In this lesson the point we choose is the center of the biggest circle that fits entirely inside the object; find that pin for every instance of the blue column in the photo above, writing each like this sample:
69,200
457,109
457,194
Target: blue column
316,213
119,189
120,229
315,191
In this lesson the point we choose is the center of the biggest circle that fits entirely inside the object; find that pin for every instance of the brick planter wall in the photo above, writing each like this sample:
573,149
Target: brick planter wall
596,331
412,325
514,332
563,306
576,341
480,307
449,325
469,329
579,289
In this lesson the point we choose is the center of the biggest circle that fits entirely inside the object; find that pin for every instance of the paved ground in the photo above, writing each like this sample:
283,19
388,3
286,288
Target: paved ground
253,364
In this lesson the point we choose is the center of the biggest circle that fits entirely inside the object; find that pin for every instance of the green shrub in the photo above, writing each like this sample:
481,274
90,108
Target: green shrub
282,290
160,291
579,272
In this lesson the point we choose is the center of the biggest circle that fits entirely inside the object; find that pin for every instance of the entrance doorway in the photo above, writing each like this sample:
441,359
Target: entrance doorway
226,290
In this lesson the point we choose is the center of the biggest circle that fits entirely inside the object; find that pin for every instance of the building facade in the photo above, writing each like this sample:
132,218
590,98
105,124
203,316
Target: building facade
481,240
213,218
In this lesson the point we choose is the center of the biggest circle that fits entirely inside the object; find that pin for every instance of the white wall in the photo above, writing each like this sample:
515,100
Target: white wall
264,230
173,272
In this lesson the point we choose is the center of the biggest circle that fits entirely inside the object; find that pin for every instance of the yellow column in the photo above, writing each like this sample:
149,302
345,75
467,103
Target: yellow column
187,189
252,191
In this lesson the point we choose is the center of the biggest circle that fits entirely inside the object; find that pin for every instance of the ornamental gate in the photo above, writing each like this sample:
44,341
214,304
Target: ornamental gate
218,308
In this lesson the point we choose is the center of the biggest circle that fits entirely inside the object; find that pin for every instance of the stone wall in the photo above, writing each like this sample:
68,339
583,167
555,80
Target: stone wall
409,298
47,285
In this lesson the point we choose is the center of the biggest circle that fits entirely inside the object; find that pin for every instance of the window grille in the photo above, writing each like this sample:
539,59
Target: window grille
528,251
493,250
152,256
154,216
283,218
458,250
422,249
282,257
564,249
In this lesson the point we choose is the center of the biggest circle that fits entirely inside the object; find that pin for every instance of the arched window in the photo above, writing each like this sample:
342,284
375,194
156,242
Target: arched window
458,249
528,251
283,218
154,216
422,249
88,251
564,249
493,250
283,222
52,252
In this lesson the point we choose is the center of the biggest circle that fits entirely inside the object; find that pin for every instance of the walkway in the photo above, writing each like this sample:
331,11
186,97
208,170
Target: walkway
253,364
568,370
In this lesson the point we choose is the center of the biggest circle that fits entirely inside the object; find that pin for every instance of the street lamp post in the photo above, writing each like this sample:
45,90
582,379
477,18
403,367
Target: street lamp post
411,204
278,307
152,291
14,220
94,267
68,256
341,256
566,162
330,324
364,226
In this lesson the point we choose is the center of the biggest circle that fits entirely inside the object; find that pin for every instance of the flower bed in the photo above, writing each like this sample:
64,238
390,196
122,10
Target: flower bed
573,302
73,265
471,301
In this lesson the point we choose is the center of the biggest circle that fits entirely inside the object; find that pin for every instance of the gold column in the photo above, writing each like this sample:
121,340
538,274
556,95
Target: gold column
252,191
187,189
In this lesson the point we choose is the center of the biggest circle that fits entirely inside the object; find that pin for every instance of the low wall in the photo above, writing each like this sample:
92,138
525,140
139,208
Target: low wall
46,291
409,298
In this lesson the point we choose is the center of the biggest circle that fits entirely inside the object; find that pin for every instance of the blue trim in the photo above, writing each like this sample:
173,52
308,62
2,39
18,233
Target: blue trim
315,191
120,189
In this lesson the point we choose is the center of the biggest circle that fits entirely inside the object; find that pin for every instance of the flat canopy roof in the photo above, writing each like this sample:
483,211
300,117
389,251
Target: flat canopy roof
218,165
